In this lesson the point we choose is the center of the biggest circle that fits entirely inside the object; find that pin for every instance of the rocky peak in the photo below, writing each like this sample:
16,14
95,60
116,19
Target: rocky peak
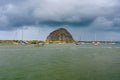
60,34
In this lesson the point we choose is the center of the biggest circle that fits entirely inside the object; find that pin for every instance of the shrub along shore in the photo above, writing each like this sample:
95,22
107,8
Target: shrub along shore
31,41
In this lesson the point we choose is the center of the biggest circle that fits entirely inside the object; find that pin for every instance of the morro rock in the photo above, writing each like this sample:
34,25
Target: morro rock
60,35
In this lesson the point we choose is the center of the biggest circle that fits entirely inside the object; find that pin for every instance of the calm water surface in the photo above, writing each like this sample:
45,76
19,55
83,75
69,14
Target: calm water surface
60,62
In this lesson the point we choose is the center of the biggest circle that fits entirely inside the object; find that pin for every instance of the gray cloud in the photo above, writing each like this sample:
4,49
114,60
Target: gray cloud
80,17
18,13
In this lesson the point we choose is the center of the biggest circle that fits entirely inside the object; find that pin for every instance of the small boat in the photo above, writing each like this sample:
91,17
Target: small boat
96,43
77,42
39,45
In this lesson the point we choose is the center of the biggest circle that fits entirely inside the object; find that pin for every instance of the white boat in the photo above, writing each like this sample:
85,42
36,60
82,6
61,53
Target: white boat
96,43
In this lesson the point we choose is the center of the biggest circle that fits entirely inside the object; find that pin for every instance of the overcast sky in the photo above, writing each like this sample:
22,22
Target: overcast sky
37,18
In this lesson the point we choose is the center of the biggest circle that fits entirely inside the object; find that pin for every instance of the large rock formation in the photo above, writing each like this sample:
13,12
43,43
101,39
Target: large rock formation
60,35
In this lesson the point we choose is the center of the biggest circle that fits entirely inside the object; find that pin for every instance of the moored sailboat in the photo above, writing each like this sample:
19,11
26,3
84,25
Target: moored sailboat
96,43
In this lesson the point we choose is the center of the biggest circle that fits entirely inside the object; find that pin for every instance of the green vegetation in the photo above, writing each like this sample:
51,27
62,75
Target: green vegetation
8,41
33,41
18,41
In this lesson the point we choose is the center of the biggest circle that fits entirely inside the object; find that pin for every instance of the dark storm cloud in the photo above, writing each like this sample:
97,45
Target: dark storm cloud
76,13
83,23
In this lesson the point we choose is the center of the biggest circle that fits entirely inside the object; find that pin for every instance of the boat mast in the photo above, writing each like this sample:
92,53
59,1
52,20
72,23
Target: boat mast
22,35
95,37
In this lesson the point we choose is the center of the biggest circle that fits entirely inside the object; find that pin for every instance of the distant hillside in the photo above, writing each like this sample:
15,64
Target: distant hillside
60,34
